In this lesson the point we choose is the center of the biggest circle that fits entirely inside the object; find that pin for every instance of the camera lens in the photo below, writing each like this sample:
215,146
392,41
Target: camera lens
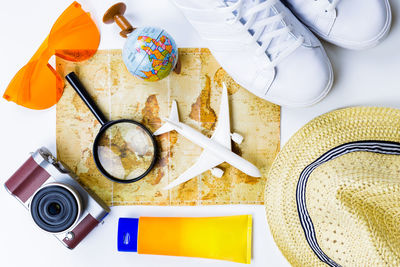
54,208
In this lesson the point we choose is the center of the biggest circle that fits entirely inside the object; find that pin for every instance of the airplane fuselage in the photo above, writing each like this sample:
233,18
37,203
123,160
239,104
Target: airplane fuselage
217,149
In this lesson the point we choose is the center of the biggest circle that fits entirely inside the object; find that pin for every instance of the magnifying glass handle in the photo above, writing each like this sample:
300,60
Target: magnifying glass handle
80,89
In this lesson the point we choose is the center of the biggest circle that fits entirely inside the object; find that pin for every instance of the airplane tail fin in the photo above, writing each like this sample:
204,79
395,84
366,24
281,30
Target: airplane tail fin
170,123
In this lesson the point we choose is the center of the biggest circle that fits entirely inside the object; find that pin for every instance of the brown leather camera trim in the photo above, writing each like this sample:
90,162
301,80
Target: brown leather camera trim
81,231
26,180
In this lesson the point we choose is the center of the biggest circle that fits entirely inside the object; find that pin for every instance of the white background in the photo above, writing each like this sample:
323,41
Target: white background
369,77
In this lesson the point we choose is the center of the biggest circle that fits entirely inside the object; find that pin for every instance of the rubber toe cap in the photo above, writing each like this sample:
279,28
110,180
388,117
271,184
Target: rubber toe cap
361,23
302,79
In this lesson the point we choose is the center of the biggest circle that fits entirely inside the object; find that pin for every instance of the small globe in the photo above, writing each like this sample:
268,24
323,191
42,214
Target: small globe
150,53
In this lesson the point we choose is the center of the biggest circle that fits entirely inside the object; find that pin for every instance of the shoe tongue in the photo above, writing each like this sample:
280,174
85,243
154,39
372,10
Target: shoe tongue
261,15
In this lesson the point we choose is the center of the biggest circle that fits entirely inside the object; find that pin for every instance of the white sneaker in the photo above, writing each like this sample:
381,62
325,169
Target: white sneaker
265,49
353,24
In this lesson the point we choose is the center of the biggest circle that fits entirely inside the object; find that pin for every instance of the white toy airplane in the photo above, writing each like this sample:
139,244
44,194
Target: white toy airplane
217,149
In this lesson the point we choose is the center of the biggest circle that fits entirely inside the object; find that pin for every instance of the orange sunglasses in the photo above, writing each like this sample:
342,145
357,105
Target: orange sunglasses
74,37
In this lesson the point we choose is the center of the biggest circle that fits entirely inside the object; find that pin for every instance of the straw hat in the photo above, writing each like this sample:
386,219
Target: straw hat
333,193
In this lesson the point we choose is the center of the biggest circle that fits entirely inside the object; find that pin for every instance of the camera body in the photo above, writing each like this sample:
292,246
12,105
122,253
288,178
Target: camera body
57,203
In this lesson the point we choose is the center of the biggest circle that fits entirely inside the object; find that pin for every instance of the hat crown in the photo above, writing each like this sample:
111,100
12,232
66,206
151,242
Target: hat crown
355,199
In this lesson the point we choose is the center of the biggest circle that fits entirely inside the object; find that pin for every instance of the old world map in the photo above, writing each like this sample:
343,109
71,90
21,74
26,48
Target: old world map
197,90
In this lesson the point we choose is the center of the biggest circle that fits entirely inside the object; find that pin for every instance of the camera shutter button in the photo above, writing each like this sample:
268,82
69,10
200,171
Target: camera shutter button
70,236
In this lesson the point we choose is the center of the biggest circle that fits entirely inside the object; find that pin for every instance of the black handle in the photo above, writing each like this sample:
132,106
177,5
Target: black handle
80,89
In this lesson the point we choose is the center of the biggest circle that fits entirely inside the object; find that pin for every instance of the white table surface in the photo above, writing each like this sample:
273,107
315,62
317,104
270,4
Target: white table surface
369,77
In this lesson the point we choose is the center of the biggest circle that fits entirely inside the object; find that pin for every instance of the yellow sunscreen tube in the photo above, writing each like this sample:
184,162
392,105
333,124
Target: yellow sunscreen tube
223,238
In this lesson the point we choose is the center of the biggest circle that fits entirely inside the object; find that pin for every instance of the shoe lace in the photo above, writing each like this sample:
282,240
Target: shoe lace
273,37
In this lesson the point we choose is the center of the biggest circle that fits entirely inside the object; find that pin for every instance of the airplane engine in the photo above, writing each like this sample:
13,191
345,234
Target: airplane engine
217,172
237,138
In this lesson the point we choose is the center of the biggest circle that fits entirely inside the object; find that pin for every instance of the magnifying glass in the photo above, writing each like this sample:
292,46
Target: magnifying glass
124,150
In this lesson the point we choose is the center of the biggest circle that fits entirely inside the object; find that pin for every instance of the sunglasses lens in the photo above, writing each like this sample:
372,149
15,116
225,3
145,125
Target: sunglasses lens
35,86
74,36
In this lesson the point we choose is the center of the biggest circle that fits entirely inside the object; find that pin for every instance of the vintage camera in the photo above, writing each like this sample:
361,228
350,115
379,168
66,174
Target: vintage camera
57,203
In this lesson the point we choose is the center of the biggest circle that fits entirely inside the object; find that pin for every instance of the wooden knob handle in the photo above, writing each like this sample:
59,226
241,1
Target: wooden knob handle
116,14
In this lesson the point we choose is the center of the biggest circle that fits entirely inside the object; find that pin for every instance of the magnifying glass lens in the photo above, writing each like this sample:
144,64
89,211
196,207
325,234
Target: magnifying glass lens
125,151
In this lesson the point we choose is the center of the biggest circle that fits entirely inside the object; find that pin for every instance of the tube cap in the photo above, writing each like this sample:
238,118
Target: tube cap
127,234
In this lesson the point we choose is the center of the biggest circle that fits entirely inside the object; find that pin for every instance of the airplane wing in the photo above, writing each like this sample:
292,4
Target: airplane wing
205,162
222,133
